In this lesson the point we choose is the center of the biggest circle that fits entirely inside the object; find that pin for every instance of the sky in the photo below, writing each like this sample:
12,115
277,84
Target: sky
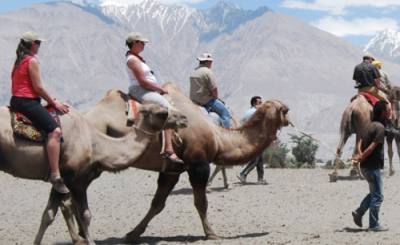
356,21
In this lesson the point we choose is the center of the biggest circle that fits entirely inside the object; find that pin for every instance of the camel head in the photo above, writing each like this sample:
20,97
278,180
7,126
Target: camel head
272,113
154,118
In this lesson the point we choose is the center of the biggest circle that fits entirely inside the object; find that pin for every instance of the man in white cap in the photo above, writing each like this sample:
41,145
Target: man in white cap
204,90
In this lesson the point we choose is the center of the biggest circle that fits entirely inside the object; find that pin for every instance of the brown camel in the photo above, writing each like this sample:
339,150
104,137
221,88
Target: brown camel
356,116
203,142
84,154
394,98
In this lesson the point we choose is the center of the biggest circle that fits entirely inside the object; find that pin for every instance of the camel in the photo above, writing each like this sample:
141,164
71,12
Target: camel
203,142
85,153
356,116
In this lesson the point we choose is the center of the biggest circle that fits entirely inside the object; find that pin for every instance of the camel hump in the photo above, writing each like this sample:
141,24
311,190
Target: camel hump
171,86
114,93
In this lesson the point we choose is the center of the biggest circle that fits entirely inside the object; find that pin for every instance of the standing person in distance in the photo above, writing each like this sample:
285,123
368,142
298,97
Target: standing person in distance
258,161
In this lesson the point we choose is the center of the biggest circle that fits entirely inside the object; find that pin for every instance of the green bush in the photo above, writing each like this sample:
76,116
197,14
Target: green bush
276,155
304,151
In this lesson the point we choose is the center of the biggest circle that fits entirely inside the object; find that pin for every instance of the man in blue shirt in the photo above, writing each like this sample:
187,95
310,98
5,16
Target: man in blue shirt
257,161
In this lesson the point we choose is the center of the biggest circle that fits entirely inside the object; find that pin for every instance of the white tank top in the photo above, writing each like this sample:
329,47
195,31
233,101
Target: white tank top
148,73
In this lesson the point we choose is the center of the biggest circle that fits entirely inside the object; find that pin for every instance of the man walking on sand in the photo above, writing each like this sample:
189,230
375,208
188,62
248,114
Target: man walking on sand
371,158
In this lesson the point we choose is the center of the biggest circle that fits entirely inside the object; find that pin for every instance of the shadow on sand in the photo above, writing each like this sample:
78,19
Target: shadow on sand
153,240
352,230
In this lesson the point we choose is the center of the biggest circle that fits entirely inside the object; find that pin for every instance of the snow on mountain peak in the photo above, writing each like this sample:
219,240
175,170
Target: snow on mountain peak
385,43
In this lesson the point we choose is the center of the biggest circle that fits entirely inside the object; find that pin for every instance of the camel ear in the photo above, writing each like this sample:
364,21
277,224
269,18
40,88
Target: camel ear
283,110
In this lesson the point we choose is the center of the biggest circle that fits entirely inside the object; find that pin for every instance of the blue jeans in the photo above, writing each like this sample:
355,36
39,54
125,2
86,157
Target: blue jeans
374,199
258,162
215,105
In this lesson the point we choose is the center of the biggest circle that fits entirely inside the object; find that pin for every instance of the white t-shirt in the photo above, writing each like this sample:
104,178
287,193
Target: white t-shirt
148,73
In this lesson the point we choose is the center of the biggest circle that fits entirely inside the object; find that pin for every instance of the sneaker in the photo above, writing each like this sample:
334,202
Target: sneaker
357,218
242,178
59,186
378,228
262,182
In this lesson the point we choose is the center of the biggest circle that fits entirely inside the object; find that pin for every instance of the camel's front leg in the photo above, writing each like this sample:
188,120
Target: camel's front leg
165,184
56,200
83,213
198,176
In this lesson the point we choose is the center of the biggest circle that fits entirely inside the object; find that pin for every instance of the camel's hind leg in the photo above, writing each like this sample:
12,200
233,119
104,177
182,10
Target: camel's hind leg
56,200
389,141
165,184
198,176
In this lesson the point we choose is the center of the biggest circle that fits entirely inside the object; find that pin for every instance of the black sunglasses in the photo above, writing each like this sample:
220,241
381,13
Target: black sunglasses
37,42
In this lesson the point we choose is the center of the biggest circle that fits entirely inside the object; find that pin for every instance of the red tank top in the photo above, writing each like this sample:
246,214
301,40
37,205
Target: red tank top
21,80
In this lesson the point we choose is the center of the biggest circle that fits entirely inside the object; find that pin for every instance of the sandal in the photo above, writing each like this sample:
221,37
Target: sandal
59,186
172,157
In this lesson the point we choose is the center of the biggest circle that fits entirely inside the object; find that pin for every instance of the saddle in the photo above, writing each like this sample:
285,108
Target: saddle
24,128
369,97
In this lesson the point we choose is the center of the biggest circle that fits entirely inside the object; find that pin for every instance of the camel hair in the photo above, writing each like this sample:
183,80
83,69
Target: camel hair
85,153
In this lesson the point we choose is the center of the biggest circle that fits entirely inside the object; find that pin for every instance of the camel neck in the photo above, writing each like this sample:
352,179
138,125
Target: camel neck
115,154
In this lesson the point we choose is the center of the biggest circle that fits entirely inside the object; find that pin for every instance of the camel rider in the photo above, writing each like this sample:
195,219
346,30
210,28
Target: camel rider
367,78
204,90
386,85
27,90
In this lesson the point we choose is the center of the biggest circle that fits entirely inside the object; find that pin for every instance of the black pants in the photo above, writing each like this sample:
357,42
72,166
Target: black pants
257,161
34,111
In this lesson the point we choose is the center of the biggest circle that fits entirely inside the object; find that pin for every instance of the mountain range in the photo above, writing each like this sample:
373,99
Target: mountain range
256,52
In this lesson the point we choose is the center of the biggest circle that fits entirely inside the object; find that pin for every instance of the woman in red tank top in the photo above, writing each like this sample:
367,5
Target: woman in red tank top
27,90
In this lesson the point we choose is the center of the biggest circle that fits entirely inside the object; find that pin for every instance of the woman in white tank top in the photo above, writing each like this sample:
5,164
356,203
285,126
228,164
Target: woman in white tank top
144,86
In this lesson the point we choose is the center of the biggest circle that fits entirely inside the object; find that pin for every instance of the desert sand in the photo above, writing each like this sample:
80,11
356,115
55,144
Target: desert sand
296,207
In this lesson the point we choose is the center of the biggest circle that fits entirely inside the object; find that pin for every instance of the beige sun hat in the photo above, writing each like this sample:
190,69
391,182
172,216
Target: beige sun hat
136,36
205,57
31,36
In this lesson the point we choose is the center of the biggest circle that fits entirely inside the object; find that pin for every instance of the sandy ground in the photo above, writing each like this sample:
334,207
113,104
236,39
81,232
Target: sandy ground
297,207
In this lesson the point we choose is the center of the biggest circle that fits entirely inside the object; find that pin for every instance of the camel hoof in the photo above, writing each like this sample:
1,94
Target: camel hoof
212,237
391,172
133,235
83,242
353,172
333,177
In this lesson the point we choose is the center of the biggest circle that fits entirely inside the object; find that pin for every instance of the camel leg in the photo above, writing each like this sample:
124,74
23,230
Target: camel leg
343,139
56,200
225,177
215,172
389,141
198,176
83,214
165,184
